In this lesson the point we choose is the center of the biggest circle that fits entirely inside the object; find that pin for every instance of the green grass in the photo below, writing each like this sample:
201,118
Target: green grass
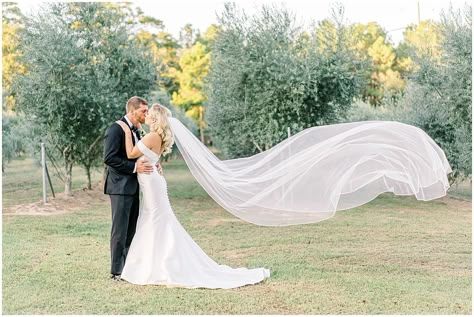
22,182
462,190
394,255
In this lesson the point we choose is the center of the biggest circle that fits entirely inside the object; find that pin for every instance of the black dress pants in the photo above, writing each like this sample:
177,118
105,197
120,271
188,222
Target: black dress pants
124,222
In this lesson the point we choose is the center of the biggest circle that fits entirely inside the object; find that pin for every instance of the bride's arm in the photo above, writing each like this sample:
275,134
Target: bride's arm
132,151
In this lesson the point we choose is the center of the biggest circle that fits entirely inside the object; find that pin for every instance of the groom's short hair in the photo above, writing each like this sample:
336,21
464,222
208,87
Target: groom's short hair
135,103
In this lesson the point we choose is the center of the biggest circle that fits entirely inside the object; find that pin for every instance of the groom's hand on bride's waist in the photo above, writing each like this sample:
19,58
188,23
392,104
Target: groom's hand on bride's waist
144,167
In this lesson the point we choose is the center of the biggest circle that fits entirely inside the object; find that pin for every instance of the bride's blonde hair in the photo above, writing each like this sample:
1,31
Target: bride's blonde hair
161,125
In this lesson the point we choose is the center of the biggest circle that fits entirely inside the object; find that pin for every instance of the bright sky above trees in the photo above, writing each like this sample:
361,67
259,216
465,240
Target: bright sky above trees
392,15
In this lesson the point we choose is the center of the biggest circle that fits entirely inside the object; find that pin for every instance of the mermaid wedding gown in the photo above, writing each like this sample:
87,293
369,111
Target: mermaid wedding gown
304,179
163,253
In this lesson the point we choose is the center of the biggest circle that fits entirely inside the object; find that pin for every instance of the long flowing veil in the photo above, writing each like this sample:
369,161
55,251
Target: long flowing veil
313,174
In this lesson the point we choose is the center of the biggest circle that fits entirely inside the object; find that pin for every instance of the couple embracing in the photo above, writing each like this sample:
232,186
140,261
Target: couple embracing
148,245
304,179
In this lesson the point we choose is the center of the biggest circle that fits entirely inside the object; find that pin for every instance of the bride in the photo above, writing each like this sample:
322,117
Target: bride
162,252
304,179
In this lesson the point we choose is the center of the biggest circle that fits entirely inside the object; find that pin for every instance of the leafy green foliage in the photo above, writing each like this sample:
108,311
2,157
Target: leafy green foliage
188,36
267,75
13,138
82,65
440,101
418,40
12,23
382,77
164,49
194,65
178,113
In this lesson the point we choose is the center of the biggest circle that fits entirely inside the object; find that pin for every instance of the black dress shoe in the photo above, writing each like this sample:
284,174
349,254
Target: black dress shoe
116,277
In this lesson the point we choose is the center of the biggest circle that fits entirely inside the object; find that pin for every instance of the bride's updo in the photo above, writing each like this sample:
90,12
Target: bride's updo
161,125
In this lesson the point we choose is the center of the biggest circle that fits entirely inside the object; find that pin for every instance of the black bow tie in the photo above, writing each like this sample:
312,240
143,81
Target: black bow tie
134,129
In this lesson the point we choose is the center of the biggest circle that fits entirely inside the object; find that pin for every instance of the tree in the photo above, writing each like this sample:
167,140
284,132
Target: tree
194,65
178,113
439,99
83,65
11,25
421,39
267,75
169,62
15,131
188,36
164,48
371,43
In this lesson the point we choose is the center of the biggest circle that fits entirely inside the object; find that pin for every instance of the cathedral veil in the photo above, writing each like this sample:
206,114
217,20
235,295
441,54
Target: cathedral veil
311,175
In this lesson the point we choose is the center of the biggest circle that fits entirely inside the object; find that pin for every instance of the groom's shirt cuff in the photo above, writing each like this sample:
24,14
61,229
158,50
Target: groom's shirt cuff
135,168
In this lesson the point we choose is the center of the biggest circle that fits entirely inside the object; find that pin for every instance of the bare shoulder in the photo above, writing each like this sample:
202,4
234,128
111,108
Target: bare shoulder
155,137
152,139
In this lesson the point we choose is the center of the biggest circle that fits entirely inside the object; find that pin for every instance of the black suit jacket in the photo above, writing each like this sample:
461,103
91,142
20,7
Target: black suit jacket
119,179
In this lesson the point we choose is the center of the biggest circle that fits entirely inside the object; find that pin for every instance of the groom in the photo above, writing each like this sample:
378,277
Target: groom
121,183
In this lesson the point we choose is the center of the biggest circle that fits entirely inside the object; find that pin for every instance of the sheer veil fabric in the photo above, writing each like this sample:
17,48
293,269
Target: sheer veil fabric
313,174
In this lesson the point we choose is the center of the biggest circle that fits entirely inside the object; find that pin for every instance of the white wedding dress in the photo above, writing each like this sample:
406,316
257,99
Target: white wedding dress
304,179
163,253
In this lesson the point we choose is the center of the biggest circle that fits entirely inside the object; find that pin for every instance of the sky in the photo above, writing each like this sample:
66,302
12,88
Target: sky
392,15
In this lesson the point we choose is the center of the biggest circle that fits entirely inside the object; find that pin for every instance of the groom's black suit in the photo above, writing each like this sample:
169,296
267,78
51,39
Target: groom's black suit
121,184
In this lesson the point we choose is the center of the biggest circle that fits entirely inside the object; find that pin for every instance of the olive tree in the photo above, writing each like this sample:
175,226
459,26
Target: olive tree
268,74
83,64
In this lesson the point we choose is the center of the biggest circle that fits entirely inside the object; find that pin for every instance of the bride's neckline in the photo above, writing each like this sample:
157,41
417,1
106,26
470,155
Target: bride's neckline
153,151
149,150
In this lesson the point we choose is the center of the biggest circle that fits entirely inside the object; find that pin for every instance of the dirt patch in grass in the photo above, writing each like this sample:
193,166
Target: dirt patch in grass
81,199
458,202
84,198
218,221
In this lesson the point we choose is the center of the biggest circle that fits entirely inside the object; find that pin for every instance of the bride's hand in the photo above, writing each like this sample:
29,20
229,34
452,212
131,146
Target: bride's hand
124,126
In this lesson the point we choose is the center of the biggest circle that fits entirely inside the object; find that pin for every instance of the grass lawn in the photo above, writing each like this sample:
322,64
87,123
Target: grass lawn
394,255
22,182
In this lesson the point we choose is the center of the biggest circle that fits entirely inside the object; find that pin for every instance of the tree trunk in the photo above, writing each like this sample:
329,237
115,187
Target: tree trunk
257,146
68,180
88,172
201,123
